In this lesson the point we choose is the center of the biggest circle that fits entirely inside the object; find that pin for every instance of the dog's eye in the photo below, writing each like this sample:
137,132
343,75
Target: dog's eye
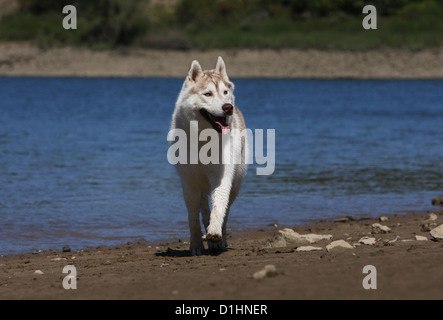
225,92
208,94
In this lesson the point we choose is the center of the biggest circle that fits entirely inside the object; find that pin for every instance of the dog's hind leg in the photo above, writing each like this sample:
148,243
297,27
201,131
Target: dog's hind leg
192,199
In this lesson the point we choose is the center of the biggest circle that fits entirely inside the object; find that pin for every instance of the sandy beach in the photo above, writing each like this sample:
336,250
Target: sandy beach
24,59
406,259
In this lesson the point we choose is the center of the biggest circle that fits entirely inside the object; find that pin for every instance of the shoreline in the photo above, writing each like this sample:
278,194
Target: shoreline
25,59
407,268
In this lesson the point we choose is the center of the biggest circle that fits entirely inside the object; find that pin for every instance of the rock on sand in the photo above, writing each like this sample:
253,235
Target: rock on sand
367,241
277,242
268,271
296,238
307,248
437,201
338,244
378,228
437,233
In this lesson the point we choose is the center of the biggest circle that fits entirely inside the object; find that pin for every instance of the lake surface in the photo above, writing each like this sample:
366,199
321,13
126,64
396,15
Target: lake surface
83,160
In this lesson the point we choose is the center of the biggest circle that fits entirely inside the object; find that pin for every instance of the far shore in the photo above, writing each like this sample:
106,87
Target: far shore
25,59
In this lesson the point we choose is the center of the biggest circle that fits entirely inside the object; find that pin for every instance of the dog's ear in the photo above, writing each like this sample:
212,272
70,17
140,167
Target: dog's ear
220,67
195,72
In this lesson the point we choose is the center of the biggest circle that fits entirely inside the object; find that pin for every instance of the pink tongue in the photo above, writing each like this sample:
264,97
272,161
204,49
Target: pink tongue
224,129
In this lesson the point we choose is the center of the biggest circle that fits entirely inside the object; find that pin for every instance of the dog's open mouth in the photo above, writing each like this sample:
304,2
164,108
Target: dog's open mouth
219,123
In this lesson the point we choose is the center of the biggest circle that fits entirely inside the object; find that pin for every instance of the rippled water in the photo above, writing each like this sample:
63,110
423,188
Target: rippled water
83,160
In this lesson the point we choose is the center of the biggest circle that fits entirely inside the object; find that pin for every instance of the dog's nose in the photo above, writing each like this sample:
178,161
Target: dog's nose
228,108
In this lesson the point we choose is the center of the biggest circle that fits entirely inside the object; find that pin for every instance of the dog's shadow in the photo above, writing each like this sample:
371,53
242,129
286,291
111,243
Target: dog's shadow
187,253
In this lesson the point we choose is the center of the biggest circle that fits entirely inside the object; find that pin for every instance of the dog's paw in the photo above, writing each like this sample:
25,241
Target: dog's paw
214,237
217,246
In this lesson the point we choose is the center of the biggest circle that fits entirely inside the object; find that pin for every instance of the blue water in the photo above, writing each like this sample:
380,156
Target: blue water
83,160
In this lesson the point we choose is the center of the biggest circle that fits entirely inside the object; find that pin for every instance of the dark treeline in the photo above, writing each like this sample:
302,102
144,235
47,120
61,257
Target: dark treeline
235,23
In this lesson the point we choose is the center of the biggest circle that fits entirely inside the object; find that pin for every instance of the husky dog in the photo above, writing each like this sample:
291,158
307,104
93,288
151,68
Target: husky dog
207,99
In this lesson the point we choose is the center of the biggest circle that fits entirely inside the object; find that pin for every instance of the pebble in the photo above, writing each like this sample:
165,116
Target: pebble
66,249
437,201
420,238
394,240
383,219
437,233
58,259
367,240
378,228
38,272
427,225
338,244
277,242
307,248
432,216
342,219
292,236
268,271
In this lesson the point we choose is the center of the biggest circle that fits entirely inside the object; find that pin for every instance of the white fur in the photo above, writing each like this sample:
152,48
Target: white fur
220,182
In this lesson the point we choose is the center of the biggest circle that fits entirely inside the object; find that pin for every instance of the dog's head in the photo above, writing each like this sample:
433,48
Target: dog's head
210,95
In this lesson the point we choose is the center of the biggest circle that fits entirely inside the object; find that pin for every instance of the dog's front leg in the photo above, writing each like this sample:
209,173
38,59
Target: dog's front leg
220,208
192,199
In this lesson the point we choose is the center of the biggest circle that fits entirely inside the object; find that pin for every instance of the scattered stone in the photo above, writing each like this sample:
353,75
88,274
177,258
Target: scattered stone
378,228
296,238
38,272
383,219
342,219
427,226
420,238
437,233
289,234
338,244
58,259
307,248
395,240
277,242
367,240
437,201
430,223
275,225
268,271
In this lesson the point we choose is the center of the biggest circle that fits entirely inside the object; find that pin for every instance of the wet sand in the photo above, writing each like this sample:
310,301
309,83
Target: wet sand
24,59
406,268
